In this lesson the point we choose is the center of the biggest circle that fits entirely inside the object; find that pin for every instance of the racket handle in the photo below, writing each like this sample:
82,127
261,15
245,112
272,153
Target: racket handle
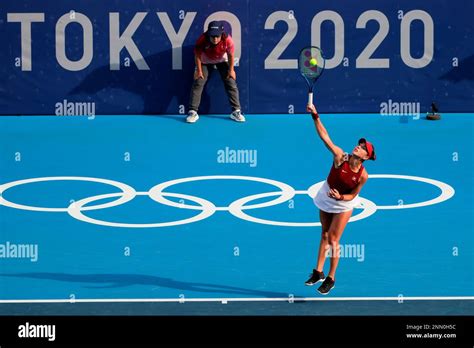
310,98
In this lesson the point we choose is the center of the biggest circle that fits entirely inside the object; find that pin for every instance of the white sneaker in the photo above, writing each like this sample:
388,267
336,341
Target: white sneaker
192,116
237,116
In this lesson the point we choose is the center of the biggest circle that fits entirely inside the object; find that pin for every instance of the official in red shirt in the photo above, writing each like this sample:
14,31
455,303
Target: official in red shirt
336,199
214,49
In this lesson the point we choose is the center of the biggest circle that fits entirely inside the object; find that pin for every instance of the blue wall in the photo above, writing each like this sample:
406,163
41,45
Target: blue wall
445,75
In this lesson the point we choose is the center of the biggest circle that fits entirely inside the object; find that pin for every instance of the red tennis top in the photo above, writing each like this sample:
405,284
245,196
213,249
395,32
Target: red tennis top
213,54
343,179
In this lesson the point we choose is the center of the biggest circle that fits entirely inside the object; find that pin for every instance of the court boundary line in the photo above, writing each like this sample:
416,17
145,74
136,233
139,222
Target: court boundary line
243,299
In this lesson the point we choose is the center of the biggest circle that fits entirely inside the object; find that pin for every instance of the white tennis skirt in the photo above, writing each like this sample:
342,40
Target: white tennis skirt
331,205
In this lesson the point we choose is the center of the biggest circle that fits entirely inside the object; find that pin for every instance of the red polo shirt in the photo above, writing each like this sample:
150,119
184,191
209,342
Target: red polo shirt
213,54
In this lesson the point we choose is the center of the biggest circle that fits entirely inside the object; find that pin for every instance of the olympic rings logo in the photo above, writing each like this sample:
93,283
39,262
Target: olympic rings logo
204,207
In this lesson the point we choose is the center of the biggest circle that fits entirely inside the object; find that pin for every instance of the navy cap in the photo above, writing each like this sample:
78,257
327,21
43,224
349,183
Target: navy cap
215,28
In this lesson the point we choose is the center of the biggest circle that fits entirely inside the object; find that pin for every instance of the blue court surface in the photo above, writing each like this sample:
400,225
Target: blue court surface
150,215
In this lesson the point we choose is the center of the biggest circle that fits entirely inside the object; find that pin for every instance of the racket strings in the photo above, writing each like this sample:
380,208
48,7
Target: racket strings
308,56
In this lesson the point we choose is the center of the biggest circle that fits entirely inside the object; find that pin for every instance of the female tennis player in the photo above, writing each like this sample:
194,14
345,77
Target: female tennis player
336,199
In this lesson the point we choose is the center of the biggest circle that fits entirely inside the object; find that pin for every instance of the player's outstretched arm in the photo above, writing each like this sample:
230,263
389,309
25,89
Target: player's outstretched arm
323,134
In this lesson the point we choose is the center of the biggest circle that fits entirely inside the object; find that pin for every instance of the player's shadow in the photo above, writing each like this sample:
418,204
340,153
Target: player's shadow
111,281
463,71
157,87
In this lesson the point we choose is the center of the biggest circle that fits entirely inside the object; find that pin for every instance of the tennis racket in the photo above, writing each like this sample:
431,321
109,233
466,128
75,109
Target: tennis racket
311,64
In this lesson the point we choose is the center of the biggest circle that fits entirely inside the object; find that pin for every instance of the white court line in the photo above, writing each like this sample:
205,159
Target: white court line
243,299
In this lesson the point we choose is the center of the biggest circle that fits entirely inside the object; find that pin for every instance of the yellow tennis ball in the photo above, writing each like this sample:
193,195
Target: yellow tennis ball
313,62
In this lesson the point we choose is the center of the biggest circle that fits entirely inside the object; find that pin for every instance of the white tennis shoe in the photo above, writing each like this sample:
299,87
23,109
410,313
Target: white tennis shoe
237,116
192,116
